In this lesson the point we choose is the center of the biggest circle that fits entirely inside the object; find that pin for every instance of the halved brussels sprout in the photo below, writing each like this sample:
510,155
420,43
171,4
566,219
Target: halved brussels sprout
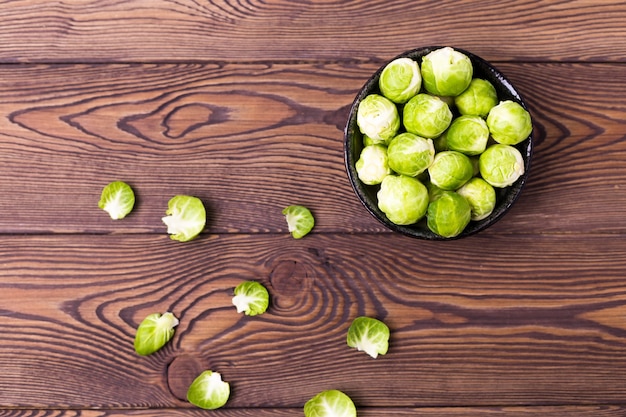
501,165
373,164
477,99
468,134
446,72
185,218
378,118
251,298
208,391
300,220
426,115
330,403
117,199
154,332
369,335
509,123
403,199
449,214
450,170
409,154
481,197
400,80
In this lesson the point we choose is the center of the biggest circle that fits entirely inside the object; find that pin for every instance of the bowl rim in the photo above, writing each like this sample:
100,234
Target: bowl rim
419,230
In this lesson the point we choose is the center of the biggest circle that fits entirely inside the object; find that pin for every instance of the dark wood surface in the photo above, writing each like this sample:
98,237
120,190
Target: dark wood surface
243,104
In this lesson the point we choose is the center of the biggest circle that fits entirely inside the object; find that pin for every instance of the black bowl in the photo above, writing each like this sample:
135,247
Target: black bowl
505,197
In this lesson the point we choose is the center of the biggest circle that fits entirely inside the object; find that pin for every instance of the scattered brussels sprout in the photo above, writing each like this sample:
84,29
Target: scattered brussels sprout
251,298
185,218
446,72
154,332
477,99
117,199
509,123
369,335
299,219
403,199
427,116
208,391
501,165
481,197
378,118
449,214
373,164
410,154
330,403
468,135
450,170
400,80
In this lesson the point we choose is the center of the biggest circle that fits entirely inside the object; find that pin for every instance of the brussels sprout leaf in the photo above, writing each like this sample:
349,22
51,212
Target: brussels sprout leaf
330,403
185,218
154,332
117,199
300,221
369,335
251,298
208,391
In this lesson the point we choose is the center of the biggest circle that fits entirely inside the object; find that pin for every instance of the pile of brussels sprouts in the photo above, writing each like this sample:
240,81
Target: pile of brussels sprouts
437,141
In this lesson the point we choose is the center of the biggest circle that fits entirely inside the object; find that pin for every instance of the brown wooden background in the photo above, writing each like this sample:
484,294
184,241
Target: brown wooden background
243,103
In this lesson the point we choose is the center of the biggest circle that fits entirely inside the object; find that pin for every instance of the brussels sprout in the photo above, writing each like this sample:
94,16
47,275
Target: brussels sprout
208,391
450,170
251,298
185,218
154,332
446,72
468,134
449,214
501,165
400,80
410,154
477,99
117,199
373,164
369,335
300,220
330,403
403,199
427,116
481,197
509,123
378,118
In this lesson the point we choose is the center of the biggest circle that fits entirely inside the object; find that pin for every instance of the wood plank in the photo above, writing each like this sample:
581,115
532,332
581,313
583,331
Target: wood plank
490,320
188,31
253,138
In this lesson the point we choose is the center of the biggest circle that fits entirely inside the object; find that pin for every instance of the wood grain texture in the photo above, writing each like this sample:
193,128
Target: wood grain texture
346,30
524,320
251,139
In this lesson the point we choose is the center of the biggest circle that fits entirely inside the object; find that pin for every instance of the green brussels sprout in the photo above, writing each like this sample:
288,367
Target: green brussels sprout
427,116
477,99
410,154
251,298
446,72
369,335
330,403
300,220
509,123
378,118
208,391
400,80
501,165
373,164
403,199
449,214
450,170
481,197
117,199
154,332
185,218
468,134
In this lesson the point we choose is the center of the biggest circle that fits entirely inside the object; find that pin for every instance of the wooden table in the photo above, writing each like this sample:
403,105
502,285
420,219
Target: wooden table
243,104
